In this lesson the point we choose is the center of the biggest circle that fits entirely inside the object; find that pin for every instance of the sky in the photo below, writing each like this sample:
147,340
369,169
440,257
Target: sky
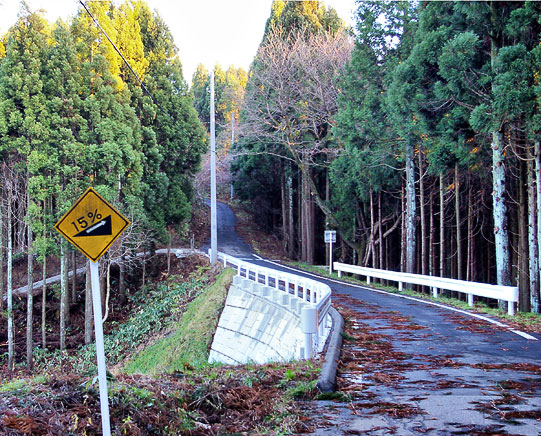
226,32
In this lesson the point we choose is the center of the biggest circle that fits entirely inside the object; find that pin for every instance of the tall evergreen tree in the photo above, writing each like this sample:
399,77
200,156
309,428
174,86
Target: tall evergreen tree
174,138
22,111
289,105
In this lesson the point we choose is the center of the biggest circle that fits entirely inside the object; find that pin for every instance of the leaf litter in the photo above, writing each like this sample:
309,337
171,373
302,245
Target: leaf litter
244,400
370,365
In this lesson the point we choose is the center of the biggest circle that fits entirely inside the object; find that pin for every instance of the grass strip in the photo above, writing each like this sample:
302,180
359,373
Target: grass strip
190,340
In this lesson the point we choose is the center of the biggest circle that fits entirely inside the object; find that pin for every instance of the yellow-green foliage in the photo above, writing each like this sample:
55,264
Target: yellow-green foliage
191,338
21,385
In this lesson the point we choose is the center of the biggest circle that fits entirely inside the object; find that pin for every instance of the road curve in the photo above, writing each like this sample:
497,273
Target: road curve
410,367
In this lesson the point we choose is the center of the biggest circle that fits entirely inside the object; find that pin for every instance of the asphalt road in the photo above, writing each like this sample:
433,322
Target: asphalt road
412,367
228,240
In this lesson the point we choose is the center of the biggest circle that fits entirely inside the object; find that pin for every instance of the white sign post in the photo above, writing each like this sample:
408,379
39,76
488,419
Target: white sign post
100,348
330,237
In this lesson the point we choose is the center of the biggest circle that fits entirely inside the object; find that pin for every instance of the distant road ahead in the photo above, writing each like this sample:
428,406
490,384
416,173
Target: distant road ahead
229,241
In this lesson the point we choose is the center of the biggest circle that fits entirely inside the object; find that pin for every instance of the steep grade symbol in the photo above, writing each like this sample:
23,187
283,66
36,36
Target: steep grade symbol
101,228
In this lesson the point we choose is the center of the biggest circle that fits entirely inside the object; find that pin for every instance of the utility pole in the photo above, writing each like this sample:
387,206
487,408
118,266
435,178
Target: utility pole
213,224
232,128
231,149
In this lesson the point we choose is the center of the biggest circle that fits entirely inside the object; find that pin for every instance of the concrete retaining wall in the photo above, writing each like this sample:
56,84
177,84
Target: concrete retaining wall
258,324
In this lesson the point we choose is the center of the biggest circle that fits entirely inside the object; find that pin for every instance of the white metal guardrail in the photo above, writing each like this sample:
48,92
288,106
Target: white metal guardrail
505,293
314,296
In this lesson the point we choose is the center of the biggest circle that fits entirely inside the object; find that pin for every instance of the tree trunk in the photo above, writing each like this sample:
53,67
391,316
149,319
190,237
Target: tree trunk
311,228
533,243
380,232
327,199
302,211
469,255
46,206
501,237
29,295
74,277
103,280
308,218
458,230
442,226
354,251
290,216
372,230
403,232
11,338
108,290
143,278
424,258
44,303
63,298
411,209
122,280
523,232
65,280
432,252
88,306
537,217
499,209
168,256
283,197
2,278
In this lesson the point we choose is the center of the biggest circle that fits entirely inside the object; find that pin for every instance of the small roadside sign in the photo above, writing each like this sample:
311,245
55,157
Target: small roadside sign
330,236
92,224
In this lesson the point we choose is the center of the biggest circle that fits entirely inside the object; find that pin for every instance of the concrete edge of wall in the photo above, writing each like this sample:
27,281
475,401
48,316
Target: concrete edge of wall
327,378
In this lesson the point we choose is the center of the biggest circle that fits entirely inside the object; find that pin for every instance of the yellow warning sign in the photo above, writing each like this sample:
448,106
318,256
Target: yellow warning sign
92,224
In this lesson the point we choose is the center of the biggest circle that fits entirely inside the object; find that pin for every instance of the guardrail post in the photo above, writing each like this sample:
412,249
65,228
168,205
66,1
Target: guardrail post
367,280
470,300
435,292
308,327
400,286
510,308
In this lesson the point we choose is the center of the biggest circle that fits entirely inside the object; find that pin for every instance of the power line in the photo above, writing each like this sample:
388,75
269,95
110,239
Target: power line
126,62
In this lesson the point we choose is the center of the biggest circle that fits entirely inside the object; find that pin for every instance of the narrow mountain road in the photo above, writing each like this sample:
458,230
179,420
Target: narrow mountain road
228,240
410,367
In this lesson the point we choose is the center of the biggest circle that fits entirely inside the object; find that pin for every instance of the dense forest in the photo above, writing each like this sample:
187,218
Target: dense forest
74,114
415,135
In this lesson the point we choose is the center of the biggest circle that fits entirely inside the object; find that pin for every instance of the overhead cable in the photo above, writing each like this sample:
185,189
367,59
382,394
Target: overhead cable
126,62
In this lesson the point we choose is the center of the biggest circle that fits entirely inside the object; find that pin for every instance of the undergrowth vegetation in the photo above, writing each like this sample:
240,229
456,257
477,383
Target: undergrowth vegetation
159,305
190,338
211,400
159,381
